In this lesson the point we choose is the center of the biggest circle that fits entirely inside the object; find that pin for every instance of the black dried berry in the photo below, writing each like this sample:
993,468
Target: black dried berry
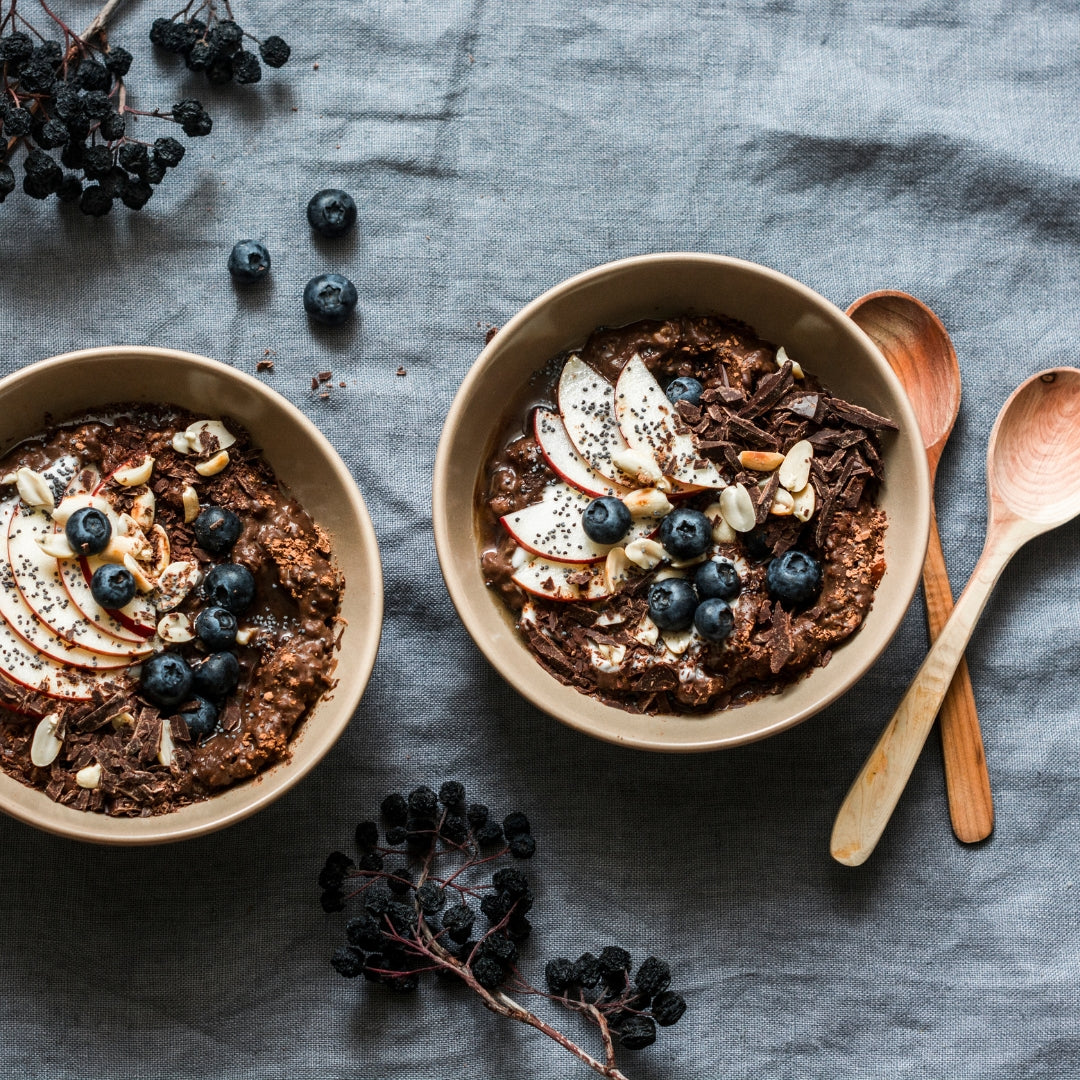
668,1008
559,974
395,809
367,835
653,976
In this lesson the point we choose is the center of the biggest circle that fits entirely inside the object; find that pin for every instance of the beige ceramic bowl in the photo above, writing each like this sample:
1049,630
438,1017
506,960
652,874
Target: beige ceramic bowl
305,463
783,311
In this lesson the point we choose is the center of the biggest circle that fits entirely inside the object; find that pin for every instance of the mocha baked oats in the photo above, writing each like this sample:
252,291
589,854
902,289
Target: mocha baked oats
168,614
682,518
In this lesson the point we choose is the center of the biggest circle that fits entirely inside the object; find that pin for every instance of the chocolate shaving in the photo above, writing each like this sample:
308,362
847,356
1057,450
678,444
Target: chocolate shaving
769,391
805,405
860,417
742,430
781,642
762,498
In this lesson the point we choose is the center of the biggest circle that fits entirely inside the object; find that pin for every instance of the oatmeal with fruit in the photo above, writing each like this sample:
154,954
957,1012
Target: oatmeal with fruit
683,519
168,614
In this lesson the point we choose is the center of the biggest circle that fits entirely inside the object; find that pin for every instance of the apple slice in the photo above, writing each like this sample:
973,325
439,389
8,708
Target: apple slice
32,670
650,424
552,527
563,457
549,579
587,405
41,586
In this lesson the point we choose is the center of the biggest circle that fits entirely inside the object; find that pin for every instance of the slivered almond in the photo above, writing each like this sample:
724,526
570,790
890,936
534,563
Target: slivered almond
166,747
191,504
641,467
175,628
161,551
647,502
678,641
89,777
135,475
56,546
143,582
782,358
34,489
760,460
214,465
805,502
45,746
175,582
647,631
213,432
795,472
737,508
143,509
783,505
616,568
645,553
181,443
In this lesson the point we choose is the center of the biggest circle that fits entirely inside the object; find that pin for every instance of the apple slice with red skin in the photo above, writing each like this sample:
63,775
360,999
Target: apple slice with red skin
649,423
135,622
562,456
542,577
33,671
41,587
587,406
552,527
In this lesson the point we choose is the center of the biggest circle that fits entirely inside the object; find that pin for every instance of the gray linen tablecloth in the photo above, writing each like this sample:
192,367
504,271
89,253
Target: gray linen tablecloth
495,149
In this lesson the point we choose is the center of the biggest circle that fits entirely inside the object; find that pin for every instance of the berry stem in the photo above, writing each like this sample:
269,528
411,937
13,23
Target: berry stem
97,25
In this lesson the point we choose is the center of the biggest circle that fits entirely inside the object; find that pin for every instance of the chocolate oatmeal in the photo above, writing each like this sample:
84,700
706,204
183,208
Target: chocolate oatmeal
169,613
683,519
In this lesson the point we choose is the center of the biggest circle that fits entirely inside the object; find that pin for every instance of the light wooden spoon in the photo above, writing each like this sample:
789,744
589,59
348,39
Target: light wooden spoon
917,346
1033,486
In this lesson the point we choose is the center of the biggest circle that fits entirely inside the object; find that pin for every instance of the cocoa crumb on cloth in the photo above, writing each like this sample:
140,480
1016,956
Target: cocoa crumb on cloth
750,401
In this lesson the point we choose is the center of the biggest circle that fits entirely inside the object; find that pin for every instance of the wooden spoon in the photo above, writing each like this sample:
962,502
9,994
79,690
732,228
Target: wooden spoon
919,350
1033,486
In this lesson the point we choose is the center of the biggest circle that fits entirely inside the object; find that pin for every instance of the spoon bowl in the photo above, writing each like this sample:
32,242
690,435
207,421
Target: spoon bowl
1033,464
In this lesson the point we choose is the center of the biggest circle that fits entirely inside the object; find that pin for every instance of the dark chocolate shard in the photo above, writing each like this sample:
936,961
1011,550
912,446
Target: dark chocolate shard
860,417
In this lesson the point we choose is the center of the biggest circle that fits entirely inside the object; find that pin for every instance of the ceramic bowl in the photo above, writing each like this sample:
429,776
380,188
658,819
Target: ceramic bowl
305,463
652,287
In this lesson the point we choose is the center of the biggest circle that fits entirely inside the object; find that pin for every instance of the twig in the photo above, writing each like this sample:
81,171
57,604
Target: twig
101,18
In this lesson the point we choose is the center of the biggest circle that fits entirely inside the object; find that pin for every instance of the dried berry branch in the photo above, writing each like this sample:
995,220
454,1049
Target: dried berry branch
409,928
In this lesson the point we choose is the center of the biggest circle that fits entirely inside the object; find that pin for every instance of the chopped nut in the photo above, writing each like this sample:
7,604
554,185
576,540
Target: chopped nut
34,489
175,582
804,503
678,641
641,467
121,547
616,568
795,472
214,465
647,631
783,505
175,628
245,634
8,478
134,475
181,443
191,504
520,557
67,506
669,572
645,553
760,460
161,551
89,777
56,546
144,583
722,532
209,436
783,358
681,564
647,502
45,746
122,720
737,508
143,509
166,747
609,618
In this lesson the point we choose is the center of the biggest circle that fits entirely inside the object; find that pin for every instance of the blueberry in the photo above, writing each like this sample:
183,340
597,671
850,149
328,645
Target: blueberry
719,578
329,299
201,718
216,628
231,586
606,520
88,531
216,530
794,578
672,603
216,677
686,533
684,389
713,619
249,261
113,585
166,679
331,212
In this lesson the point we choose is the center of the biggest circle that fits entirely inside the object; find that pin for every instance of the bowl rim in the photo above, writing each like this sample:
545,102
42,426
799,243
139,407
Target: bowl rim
109,831
458,588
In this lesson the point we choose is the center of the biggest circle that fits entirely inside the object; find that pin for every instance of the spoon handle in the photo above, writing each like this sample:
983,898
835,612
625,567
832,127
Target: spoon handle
873,796
971,804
